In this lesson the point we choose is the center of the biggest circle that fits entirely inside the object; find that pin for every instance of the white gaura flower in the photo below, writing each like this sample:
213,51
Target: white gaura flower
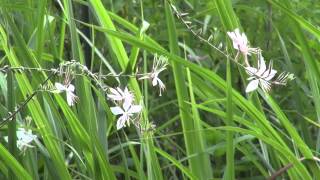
24,138
159,65
126,111
69,89
157,81
260,76
241,43
121,95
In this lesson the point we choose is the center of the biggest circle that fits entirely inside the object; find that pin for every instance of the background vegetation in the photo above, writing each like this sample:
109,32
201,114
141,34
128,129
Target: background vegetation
207,127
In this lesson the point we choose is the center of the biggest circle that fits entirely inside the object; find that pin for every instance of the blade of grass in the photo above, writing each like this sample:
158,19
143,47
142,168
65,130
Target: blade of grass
200,141
40,28
154,170
230,172
12,135
183,169
13,164
304,127
200,166
283,6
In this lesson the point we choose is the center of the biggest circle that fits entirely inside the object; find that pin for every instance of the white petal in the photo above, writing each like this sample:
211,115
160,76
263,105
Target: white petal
126,91
71,98
244,39
70,88
231,35
126,105
251,70
114,91
114,97
155,81
135,109
234,39
116,110
120,91
161,85
253,85
262,66
271,75
121,122
60,86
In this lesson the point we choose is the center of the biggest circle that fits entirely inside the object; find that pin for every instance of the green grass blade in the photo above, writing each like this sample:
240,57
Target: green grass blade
13,164
12,127
300,20
200,166
154,170
230,173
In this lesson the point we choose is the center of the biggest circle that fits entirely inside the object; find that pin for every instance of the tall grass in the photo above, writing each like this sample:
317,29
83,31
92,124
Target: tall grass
204,126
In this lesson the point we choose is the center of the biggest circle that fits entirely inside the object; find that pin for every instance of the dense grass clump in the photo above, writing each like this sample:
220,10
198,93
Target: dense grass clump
170,89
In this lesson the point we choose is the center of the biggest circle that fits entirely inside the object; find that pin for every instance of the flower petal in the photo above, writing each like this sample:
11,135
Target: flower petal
135,109
126,104
60,87
114,91
155,81
71,98
114,97
262,66
251,70
253,85
271,75
116,110
121,122
70,88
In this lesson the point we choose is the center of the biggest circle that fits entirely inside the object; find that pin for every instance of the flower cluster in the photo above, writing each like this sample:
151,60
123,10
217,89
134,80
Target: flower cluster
24,138
69,89
241,43
124,99
261,75
125,108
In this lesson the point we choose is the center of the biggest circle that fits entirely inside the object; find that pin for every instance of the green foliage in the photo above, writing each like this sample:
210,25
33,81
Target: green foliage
206,125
